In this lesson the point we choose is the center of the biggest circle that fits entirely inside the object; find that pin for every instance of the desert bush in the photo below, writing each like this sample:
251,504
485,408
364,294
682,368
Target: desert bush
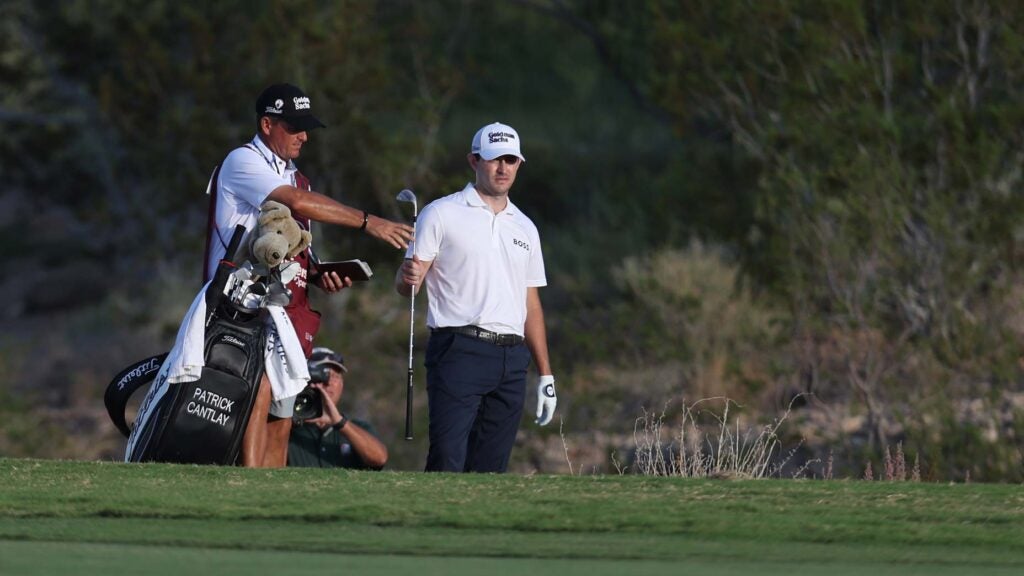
962,437
706,443
675,322
706,317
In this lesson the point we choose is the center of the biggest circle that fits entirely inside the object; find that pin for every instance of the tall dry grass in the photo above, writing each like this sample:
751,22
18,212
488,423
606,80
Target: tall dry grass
707,444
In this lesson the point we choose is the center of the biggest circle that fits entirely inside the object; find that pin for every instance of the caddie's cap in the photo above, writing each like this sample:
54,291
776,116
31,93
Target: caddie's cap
288,103
321,356
496,140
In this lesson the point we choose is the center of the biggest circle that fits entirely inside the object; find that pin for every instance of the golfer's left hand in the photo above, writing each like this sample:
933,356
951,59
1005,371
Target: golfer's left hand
546,399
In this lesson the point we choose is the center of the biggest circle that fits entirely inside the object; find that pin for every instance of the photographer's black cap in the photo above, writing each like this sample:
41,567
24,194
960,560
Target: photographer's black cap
323,355
288,103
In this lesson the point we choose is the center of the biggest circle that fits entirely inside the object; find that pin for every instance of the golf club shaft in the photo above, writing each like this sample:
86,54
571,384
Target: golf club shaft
408,393
408,408
412,326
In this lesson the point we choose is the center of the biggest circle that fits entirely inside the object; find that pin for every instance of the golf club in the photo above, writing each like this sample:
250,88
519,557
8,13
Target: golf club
407,195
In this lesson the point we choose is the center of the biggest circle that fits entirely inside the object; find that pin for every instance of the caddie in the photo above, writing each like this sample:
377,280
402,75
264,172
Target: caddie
264,169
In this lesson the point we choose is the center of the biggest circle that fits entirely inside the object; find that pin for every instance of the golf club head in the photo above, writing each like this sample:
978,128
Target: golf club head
407,195
277,295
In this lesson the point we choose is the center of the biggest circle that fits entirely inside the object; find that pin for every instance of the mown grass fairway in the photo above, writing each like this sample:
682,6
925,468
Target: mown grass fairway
104,518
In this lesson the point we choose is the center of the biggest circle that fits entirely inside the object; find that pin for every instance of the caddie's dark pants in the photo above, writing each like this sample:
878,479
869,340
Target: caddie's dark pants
475,393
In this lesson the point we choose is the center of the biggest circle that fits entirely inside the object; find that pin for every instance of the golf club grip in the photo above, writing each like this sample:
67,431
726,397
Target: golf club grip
408,408
236,240
215,292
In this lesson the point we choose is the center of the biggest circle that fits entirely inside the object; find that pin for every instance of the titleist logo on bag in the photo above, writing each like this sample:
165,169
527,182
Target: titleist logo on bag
138,372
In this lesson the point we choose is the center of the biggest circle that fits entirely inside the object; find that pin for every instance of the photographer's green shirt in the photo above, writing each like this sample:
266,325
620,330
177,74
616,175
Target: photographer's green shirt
309,447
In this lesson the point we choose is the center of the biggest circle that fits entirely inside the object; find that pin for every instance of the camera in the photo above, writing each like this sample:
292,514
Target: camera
319,374
309,402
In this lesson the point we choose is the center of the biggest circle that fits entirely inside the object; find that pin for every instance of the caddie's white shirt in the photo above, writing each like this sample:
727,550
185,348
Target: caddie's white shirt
247,176
482,262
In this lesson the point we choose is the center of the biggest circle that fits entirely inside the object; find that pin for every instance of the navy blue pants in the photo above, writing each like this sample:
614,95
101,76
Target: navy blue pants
475,394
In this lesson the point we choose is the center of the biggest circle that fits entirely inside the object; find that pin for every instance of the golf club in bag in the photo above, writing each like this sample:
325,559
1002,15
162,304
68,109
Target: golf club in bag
407,195
203,421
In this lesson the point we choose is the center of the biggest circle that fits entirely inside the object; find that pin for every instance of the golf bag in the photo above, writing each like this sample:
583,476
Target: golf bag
203,421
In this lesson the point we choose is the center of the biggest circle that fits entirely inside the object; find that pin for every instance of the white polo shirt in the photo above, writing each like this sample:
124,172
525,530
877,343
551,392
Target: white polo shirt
482,262
247,176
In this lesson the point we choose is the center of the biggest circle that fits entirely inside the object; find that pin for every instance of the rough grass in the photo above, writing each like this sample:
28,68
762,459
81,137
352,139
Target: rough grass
774,525
725,449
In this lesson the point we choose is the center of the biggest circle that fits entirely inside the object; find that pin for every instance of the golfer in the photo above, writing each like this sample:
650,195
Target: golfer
480,257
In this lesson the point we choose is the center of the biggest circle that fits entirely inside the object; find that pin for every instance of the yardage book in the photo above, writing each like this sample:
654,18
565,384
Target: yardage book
357,270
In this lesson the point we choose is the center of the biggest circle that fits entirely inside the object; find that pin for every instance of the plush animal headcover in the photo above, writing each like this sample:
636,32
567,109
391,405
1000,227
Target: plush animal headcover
277,237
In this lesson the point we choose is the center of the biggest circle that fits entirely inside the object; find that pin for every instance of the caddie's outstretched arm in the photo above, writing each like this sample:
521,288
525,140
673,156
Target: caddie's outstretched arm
321,208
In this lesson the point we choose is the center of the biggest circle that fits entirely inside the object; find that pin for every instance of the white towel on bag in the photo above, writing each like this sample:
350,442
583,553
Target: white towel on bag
285,362
185,361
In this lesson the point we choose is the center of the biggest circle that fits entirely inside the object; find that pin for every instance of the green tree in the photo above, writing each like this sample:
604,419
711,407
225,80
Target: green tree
886,144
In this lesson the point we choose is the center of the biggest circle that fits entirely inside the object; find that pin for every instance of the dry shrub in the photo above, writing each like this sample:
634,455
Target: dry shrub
710,322
707,444
894,464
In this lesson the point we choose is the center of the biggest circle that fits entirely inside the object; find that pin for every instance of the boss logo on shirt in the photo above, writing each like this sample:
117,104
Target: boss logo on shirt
521,244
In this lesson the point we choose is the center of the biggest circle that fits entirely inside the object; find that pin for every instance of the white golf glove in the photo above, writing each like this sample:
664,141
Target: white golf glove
546,399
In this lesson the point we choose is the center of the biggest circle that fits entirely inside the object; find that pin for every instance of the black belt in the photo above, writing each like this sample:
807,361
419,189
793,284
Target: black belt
485,335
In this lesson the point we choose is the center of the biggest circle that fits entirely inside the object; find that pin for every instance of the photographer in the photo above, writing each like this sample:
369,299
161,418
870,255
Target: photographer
323,437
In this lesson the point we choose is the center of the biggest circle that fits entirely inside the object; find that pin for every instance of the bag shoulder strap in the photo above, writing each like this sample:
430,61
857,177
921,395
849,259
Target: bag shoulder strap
125,384
211,215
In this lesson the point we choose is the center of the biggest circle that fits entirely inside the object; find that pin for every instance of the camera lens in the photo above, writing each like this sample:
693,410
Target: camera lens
308,404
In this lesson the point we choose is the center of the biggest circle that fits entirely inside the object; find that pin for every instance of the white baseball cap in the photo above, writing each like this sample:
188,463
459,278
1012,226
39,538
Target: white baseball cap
496,140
